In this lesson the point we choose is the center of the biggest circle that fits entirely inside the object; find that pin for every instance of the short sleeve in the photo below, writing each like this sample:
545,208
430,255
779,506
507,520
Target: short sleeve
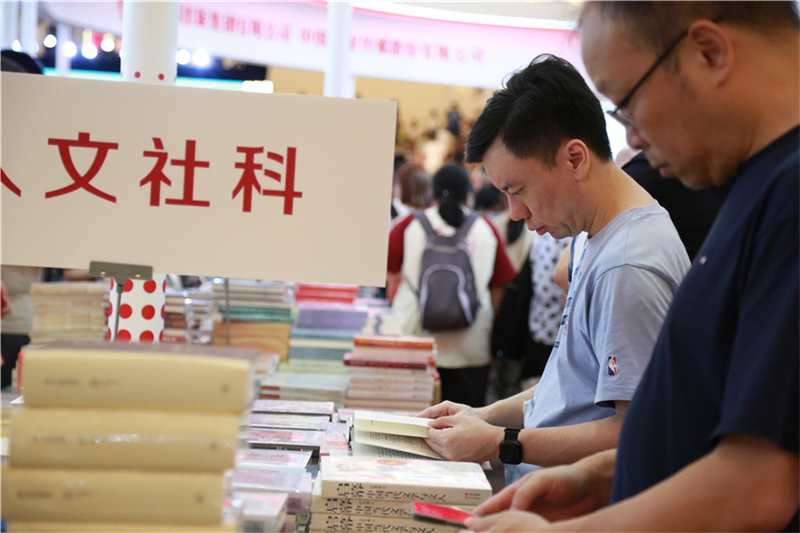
396,245
628,307
761,390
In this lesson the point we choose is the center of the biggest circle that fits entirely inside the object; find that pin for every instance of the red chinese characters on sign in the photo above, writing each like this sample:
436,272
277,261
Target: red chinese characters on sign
189,164
9,184
82,181
249,182
156,176
288,193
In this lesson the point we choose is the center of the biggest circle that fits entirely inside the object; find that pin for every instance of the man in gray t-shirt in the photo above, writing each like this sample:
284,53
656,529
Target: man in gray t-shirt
542,141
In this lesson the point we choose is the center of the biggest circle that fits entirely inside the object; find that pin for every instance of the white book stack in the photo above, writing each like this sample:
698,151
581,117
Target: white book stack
69,310
372,495
392,373
121,440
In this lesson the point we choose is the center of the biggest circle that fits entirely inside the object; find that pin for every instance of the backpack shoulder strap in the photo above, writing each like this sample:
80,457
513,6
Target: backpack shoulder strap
426,224
463,230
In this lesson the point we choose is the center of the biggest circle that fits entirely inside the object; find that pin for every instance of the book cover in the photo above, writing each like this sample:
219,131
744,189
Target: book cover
119,379
263,512
296,484
285,439
287,421
111,496
445,482
293,407
110,438
265,459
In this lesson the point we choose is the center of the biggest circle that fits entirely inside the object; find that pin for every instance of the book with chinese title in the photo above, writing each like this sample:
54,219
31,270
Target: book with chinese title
396,480
293,407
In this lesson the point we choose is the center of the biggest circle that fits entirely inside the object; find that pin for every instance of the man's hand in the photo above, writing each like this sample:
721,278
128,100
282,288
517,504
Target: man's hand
448,409
508,521
464,438
560,492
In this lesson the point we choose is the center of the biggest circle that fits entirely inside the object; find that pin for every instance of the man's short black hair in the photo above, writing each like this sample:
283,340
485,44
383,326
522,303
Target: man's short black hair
542,106
655,24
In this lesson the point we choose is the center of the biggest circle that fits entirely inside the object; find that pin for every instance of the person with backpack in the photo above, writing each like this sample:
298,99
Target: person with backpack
451,267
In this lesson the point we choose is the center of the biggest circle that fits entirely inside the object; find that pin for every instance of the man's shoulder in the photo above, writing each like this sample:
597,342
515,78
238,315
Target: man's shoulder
646,238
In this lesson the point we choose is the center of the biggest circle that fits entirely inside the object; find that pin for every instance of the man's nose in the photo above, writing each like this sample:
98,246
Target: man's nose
634,138
517,209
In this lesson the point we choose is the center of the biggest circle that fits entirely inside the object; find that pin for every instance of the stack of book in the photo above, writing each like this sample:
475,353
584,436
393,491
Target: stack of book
122,440
309,387
176,317
260,315
200,317
392,373
69,310
325,292
313,342
372,495
253,301
299,426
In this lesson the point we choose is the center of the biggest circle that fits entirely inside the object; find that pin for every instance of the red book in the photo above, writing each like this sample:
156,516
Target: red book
406,343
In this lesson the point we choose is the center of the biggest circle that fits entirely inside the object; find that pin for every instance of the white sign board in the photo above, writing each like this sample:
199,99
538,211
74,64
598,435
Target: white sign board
194,181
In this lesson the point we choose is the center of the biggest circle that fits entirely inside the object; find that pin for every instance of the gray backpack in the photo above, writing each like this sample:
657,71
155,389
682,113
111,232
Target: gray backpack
447,295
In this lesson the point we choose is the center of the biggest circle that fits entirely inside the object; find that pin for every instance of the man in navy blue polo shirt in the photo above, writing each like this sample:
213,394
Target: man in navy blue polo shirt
710,91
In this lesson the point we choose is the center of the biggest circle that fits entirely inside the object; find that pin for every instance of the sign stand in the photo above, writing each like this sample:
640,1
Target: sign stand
227,312
120,273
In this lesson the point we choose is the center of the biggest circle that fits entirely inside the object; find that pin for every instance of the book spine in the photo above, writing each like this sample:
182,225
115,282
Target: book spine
377,341
384,509
374,524
111,496
98,439
414,365
118,379
402,396
399,492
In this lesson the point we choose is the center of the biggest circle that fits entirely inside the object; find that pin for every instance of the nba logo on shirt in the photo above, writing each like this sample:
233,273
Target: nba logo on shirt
612,365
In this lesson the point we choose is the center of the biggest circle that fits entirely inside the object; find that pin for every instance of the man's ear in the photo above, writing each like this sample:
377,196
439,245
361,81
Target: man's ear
575,154
713,50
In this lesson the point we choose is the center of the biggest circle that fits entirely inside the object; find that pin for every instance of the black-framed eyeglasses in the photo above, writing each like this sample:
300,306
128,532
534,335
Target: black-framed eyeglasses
619,112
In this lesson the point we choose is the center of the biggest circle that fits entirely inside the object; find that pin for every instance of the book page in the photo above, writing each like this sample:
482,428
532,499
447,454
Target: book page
415,445
391,423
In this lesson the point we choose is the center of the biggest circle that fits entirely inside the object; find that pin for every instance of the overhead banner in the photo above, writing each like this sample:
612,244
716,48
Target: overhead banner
195,181
293,34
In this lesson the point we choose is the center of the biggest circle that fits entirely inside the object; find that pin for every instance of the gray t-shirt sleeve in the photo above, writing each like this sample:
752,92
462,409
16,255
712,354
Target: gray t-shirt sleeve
628,307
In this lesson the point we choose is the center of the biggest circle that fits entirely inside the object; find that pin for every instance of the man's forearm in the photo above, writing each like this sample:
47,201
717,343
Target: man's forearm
567,444
507,412
745,484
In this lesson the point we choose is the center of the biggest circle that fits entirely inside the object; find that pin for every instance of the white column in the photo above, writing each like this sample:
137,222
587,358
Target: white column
63,36
338,79
149,44
150,41
10,28
28,27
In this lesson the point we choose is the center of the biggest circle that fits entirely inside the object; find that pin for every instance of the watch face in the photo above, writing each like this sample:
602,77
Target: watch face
511,452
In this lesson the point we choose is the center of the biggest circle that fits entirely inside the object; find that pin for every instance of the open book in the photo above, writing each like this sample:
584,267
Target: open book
395,432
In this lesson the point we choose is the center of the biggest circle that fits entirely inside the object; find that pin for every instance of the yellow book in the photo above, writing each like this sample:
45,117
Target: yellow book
118,438
139,380
107,527
111,496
